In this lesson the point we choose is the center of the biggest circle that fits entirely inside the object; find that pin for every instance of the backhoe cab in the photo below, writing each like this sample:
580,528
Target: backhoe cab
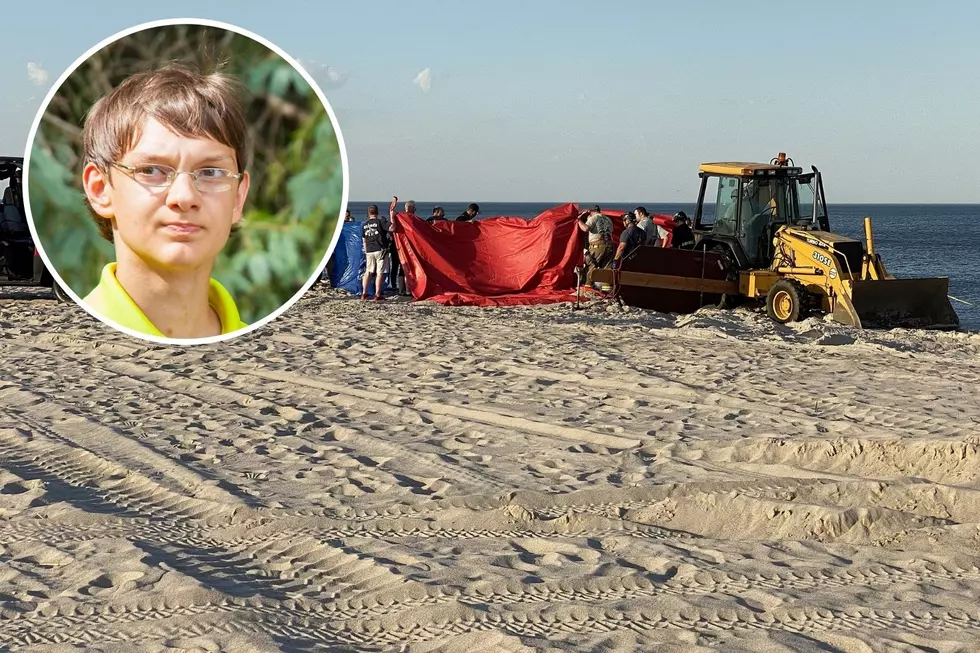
751,201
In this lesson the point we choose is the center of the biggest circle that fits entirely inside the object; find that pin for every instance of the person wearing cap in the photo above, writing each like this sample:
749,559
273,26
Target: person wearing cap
683,234
631,238
600,249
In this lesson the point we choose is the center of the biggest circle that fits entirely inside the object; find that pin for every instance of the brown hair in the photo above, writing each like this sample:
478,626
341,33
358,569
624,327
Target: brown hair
183,99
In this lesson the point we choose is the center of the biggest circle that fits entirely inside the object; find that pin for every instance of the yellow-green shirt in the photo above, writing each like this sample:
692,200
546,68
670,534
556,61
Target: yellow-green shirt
111,300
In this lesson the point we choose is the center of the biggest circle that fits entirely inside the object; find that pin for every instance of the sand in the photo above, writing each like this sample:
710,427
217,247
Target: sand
411,477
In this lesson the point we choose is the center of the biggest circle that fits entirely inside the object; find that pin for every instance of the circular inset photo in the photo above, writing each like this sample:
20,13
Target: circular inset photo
185,181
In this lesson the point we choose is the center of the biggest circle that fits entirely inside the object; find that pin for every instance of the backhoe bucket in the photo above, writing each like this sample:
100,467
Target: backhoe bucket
898,303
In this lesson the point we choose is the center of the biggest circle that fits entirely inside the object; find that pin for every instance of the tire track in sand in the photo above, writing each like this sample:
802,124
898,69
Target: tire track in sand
554,623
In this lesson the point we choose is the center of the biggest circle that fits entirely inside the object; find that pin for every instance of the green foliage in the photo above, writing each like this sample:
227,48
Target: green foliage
296,169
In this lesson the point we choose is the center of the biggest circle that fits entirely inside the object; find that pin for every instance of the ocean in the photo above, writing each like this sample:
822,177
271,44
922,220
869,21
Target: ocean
913,239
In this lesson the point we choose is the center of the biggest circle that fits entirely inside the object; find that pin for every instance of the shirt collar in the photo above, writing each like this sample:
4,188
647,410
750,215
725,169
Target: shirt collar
116,304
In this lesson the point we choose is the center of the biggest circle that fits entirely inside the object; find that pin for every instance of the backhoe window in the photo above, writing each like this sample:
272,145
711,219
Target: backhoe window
805,191
760,206
804,207
707,216
726,207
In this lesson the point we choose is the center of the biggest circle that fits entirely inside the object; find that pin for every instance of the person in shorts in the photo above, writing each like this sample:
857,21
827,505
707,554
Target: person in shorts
374,238
165,179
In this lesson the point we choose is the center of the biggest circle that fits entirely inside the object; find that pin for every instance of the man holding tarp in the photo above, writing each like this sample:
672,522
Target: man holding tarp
600,249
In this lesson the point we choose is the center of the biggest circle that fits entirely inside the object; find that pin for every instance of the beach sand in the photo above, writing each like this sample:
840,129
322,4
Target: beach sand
412,477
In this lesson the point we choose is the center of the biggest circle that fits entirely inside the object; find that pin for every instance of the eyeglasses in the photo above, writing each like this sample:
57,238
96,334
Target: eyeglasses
207,180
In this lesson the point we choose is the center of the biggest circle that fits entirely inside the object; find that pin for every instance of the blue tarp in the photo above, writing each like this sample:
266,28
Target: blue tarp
348,262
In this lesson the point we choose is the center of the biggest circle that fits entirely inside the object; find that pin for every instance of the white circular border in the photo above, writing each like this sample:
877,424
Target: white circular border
208,23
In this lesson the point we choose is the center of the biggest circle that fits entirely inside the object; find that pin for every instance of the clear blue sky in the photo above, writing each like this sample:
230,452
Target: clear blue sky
612,101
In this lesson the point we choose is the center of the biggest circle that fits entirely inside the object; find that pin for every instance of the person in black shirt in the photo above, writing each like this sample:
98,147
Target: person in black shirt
469,214
374,237
683,235
438,213
631,238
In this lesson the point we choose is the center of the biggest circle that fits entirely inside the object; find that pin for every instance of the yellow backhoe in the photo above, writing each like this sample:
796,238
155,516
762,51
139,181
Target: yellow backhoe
767,237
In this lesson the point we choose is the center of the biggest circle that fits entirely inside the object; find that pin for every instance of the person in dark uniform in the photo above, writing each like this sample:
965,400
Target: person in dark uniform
683,235
631,238
469,214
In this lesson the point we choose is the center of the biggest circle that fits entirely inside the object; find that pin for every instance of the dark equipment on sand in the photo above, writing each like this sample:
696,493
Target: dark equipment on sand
770,240
20,263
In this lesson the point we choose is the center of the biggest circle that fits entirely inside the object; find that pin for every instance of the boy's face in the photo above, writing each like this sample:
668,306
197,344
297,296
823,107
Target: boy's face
176,228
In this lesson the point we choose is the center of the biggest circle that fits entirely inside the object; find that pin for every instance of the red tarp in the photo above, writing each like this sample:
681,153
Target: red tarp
499,261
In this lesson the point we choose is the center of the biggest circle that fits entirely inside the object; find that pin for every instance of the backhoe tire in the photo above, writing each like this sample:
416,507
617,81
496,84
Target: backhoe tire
787,301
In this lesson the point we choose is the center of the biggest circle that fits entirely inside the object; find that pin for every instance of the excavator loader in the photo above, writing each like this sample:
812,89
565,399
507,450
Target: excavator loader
768,238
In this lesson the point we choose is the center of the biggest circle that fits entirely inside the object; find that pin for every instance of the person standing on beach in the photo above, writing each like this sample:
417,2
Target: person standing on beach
683,234
645,222
469,214
397,272
631,238
600,250
374,239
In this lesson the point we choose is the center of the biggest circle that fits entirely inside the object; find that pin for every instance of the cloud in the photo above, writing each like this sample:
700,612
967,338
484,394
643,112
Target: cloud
37,73
325,76
424,80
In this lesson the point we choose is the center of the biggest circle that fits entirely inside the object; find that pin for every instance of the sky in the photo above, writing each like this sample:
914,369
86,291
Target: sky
569,101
